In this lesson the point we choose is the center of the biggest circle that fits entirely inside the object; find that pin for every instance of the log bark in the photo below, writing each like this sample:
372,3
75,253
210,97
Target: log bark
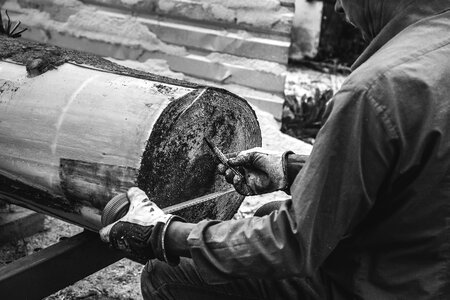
76,129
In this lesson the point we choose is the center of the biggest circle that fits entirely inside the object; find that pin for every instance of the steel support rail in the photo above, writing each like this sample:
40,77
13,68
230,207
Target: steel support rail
53,268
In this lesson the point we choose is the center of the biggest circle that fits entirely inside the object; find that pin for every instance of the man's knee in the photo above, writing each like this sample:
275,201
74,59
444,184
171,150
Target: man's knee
152,279
157,276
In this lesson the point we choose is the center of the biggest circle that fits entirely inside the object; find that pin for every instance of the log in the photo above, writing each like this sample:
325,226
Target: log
76,130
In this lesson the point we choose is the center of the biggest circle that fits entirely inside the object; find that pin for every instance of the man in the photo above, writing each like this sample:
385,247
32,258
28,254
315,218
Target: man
370,210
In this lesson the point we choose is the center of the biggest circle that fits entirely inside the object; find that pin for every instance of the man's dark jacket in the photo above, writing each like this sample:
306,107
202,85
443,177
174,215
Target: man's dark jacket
370,211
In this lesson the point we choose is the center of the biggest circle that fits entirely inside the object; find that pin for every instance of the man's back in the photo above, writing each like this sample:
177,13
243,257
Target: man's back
402,247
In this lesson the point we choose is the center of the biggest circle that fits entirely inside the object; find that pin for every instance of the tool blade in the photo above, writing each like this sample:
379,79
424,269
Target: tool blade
196,201
221,157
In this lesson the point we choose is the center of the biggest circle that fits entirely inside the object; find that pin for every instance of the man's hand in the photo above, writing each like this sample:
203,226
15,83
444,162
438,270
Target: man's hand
141,232
264,171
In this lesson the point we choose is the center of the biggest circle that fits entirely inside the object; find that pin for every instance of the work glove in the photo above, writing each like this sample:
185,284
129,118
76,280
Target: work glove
141,232
263,171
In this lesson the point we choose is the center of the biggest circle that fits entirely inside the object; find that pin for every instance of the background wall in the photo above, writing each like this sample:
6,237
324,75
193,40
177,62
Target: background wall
230,42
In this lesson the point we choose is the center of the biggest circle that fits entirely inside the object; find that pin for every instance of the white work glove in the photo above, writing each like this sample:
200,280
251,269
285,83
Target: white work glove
263,171
140,233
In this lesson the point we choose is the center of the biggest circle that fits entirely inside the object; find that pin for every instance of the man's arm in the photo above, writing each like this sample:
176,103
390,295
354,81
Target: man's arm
336,189
177,238
350,162
295,163
178,232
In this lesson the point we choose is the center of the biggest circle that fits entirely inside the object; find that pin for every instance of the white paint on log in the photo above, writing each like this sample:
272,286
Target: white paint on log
66,108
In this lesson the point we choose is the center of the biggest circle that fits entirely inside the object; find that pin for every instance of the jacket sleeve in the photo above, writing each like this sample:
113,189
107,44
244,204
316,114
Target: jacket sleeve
334,191
295,162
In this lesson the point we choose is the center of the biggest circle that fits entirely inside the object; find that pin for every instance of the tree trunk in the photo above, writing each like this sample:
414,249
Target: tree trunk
75,130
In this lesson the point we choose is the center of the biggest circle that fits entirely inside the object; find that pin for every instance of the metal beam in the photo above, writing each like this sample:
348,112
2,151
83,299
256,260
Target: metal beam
53,268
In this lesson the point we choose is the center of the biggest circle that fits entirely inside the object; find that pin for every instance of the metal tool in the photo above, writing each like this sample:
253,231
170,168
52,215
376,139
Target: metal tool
221,157
118,206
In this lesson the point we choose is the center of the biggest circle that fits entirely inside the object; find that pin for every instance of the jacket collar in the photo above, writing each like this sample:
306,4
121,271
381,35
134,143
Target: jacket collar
412,13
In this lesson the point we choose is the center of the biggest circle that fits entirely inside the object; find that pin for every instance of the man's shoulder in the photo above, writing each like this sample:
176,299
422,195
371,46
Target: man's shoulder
406,88
393,75
416,58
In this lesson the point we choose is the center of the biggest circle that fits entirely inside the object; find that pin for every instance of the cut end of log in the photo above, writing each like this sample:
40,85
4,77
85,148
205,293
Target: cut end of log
177,165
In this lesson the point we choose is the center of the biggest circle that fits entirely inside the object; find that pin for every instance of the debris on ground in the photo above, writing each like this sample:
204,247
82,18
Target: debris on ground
307,97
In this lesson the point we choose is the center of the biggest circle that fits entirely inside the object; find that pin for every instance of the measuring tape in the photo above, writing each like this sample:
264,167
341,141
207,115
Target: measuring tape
118,206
